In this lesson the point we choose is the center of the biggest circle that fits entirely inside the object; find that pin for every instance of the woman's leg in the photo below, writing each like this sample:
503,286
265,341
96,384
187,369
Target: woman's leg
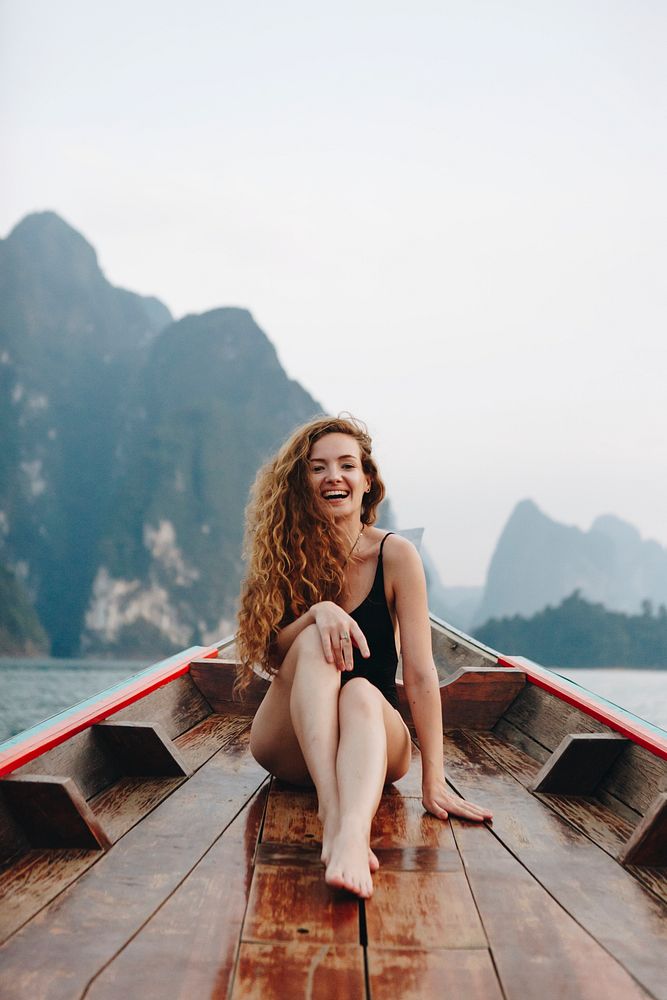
374,746
295,730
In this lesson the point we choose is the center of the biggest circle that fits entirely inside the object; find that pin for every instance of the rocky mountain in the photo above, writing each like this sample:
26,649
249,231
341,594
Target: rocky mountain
70,344
538,562
127,445
20,631
211,404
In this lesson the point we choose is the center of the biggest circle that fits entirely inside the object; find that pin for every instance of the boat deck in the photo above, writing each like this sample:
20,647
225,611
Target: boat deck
213,888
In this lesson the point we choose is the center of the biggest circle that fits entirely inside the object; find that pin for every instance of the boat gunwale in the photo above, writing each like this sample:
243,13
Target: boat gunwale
31,743
26,746
643,733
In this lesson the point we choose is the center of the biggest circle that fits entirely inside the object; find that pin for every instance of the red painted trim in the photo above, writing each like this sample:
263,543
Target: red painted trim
36,744
643,735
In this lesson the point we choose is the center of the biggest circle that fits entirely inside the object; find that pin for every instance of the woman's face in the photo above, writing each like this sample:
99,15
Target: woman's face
337,475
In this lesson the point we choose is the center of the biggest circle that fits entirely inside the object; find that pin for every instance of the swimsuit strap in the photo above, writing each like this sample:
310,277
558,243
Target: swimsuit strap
382,544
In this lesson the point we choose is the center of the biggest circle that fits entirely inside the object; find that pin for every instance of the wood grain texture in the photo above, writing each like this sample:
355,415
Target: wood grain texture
317,972
35,878
476,697
609,828
410,974
188,948
176,706
548,719
403,822
60,950
648,843
400,821
128,800
579,763
636,778
292,818
422,910
208,736
507,731
12,838
450,654
538,949
618,912
143,748
52,812
84,757
215,679
293,903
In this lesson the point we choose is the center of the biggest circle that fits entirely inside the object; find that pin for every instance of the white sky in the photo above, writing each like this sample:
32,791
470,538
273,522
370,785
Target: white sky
448,217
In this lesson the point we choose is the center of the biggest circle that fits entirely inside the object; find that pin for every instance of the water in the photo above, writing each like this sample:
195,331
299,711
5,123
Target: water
34,690
642,692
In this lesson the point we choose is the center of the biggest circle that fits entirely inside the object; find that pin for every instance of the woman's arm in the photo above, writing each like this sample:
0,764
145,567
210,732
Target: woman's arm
420,677
332,622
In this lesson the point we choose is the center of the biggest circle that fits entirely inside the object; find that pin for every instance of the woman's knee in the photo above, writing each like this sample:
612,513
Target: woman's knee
359,696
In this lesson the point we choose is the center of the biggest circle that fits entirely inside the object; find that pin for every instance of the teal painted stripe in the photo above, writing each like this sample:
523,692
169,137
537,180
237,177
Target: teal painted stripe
145,674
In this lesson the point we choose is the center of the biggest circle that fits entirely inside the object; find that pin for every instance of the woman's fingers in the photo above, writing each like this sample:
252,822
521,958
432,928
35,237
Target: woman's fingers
326,646
346,650
359,638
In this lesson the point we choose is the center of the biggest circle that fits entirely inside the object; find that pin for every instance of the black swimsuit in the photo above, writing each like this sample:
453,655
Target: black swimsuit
373,618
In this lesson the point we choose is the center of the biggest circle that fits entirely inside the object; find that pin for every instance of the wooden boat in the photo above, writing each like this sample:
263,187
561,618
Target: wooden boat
145,853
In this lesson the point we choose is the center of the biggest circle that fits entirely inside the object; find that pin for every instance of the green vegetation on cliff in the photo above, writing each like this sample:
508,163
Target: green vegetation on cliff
579,633
20,631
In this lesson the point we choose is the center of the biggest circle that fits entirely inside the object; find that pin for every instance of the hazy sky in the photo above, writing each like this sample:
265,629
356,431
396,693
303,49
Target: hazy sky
448,217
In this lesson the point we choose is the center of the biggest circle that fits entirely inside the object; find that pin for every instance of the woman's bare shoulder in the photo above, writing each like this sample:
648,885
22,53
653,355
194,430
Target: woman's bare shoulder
400,555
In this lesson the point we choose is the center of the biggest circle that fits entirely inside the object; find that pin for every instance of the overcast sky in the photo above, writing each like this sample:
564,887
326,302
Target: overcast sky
448,217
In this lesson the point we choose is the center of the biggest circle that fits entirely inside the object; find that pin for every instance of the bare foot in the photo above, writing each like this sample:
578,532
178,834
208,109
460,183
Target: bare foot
329,831
349,863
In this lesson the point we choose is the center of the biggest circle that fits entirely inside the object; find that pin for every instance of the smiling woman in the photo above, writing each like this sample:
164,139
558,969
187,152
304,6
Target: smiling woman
326,601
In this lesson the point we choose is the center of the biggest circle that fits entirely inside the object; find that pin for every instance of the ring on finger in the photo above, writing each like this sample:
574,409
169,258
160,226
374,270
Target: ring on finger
345,637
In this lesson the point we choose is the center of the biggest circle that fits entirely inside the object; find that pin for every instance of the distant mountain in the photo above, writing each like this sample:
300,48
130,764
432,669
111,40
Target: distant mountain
538,562
127,446
20,631
70,344
210,405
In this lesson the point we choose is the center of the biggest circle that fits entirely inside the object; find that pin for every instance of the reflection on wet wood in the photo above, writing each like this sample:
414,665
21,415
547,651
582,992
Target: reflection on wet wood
590,885
533,940
293,903
422,975
86,926
403,822
422,910
189,947
36,878
317,971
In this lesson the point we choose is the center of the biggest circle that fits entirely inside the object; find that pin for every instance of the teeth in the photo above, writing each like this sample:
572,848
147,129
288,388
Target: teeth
334,494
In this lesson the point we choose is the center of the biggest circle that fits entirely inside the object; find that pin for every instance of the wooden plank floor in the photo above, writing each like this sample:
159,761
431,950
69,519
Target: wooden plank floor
219,893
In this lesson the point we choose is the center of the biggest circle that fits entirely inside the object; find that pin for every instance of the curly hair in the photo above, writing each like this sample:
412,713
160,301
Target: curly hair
294,551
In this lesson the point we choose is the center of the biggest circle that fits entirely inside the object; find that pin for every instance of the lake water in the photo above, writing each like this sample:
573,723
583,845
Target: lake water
33,690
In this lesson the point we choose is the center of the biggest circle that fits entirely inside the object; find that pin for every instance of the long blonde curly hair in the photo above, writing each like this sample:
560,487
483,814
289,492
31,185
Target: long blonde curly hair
295,555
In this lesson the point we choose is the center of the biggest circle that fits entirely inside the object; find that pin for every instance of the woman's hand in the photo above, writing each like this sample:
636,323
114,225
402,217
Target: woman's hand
338,631
438,799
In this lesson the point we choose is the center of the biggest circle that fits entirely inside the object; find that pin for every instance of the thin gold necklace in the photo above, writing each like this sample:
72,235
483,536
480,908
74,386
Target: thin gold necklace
354,546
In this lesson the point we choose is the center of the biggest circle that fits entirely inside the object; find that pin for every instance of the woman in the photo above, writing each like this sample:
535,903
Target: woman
325,596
